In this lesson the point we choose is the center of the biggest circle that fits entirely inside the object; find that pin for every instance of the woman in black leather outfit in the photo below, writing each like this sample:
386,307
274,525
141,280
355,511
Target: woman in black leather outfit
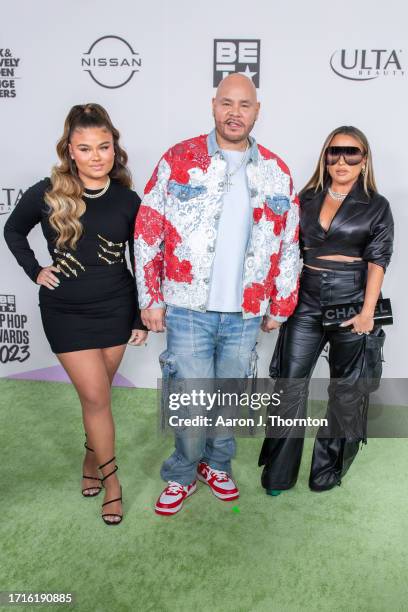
346,240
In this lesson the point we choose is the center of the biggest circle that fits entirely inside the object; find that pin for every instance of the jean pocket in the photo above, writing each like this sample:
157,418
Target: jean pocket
278,203
185,192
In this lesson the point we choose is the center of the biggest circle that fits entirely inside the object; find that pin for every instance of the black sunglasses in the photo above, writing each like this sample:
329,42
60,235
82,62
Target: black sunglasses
351,155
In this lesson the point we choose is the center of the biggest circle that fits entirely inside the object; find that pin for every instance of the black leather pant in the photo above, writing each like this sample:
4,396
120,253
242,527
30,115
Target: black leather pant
299,345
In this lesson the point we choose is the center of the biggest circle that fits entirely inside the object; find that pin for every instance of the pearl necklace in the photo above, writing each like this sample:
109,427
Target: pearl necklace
100,193
336,195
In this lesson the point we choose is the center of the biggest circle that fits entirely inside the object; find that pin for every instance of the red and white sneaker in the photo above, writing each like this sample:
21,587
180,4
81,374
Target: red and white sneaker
172,498
220,483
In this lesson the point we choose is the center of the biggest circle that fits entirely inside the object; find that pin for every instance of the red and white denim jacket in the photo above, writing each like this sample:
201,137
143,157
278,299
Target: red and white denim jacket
177,223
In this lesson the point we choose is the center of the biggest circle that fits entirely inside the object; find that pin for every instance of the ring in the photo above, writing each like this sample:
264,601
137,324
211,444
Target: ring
359,333
367,333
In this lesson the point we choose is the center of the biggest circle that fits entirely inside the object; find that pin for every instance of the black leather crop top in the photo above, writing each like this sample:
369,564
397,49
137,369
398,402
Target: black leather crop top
362,227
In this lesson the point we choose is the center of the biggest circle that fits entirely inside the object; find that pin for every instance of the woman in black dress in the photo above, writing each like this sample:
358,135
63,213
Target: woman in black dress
88,298
346,236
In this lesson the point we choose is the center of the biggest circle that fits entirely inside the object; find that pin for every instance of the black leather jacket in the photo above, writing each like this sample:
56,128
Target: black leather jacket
362,227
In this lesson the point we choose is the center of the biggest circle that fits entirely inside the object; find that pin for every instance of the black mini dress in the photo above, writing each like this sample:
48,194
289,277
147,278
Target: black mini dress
95,305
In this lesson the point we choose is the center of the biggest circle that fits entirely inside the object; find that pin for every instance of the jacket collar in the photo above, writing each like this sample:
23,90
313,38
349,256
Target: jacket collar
348,208
357,193
213,147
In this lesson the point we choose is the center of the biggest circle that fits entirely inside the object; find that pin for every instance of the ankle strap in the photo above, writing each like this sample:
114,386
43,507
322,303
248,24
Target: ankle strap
107,463
110,473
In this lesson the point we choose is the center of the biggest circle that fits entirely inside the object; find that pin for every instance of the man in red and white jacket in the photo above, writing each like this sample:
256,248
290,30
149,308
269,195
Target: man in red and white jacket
216,256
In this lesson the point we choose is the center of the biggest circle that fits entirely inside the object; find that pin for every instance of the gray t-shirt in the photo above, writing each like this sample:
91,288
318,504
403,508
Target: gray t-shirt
232,239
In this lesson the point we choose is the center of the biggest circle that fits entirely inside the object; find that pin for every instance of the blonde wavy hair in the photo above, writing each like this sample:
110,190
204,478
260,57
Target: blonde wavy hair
321,177
65,198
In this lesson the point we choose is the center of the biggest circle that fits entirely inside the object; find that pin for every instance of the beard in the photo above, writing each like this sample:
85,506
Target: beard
234,138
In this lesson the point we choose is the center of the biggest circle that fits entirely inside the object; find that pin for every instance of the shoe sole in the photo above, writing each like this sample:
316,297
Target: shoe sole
221,496
172,511
274,492
323,489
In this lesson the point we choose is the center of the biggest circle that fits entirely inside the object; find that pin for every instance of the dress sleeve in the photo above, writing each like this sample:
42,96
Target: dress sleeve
21,221
378,250
137,321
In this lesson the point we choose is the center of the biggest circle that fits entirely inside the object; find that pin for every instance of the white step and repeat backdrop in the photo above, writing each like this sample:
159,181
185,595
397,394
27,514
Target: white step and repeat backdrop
154,65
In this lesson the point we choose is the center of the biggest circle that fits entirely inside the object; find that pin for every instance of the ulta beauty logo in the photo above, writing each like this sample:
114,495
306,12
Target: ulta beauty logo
365,64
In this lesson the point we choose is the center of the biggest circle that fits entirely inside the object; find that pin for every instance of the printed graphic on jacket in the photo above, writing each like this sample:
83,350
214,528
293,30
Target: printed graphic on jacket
176,231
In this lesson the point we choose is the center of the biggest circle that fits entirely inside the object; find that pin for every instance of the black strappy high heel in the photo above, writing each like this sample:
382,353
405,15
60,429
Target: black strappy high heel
84,491
105,520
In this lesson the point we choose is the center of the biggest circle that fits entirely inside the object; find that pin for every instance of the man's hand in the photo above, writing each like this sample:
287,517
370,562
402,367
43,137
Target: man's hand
269,324
153,318
138,337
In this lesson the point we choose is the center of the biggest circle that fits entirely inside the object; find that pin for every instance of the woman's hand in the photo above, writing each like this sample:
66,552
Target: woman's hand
138,337
47,278
362,324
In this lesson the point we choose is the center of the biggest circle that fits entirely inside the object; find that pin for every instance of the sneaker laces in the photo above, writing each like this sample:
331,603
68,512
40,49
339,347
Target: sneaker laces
174,487
219,475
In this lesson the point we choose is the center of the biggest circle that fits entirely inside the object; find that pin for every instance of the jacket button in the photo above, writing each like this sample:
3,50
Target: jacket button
206,280
201,307
210,249
217,216
250,253
324,274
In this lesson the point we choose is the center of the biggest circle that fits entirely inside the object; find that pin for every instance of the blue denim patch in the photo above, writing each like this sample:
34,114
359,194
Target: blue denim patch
278,203
185,192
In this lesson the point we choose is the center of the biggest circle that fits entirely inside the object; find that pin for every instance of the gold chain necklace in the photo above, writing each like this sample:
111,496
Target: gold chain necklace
100,193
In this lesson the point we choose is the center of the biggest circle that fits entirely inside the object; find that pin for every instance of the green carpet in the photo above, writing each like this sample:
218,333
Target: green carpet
342,550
